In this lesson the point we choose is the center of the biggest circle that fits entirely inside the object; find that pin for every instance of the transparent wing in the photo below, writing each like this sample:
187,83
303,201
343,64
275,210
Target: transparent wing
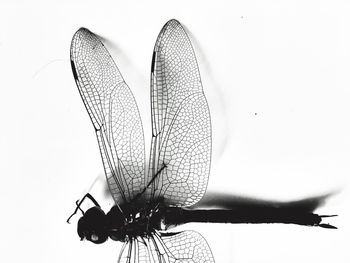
187,247
113,112
128,252
181,129
184,247
139,250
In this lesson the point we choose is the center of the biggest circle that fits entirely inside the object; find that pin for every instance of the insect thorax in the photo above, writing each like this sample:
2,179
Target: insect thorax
127,221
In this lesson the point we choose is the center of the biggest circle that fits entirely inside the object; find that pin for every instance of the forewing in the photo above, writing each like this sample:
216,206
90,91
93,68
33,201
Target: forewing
184,247
181,129
113,112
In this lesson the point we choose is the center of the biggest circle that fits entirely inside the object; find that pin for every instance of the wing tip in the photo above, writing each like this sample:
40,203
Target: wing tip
82,31
174,20
173,23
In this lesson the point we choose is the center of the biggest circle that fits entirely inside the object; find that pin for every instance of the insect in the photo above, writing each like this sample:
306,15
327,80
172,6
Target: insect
150,199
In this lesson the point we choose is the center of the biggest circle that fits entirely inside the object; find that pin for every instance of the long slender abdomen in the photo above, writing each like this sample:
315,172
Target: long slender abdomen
177,216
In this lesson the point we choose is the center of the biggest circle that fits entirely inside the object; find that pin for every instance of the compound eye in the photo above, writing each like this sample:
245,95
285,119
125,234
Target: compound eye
94,237
98,239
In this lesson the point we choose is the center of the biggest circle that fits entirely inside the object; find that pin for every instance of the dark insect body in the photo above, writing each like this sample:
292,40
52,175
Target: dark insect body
148,202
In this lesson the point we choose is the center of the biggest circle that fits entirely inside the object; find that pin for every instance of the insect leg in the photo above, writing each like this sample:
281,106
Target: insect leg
79,204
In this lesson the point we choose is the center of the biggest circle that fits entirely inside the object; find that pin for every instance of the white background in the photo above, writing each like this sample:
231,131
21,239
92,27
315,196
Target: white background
276,75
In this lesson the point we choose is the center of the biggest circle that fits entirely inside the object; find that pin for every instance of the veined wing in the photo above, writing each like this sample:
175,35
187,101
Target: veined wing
113,112
184,247
181,129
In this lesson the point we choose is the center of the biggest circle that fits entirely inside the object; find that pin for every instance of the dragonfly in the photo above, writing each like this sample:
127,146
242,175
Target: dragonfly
152,198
